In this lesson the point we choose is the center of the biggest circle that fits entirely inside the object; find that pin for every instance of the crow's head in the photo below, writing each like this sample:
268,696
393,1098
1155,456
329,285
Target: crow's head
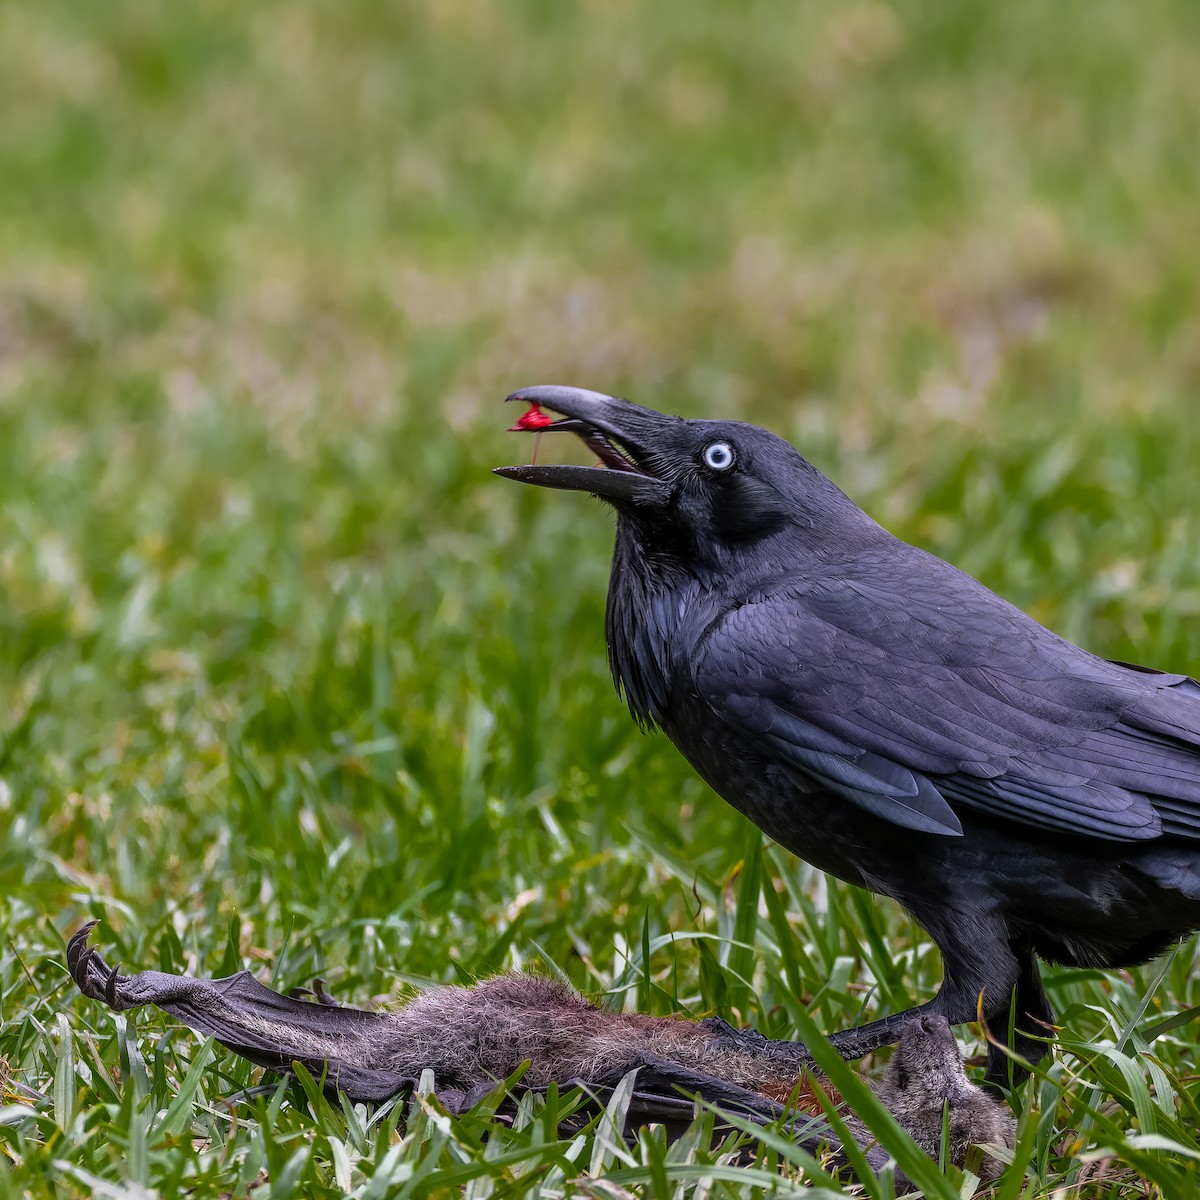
704,485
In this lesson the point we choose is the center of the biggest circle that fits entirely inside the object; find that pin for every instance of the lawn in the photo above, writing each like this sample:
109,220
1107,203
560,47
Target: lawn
288,680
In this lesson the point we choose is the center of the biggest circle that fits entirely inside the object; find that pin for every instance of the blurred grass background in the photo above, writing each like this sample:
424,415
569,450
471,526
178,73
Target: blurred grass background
286,678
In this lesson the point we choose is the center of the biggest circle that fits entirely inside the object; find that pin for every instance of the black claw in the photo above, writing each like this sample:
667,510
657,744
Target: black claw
85,965
83,972
78,952
317,992
323,997
110,987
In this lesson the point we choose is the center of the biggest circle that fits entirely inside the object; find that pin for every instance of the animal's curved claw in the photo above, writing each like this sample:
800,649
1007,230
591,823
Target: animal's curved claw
110,987
79,954
92,975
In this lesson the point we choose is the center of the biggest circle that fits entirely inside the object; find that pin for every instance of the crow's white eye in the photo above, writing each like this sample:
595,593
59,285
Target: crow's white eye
718,456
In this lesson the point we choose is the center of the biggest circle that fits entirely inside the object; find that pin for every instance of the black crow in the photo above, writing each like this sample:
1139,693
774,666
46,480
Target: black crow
886,717
472,1038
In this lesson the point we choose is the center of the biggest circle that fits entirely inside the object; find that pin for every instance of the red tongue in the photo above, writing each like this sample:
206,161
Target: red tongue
533,419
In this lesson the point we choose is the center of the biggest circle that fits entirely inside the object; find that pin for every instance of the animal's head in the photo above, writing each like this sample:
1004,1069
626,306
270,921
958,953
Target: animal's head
704,490
926,1067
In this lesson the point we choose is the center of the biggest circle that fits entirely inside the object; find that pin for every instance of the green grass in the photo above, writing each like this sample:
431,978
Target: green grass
287,680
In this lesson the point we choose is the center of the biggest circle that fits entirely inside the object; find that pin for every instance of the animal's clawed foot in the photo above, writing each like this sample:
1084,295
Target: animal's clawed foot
93,976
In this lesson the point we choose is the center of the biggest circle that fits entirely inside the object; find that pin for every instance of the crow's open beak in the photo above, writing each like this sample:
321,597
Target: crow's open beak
620,433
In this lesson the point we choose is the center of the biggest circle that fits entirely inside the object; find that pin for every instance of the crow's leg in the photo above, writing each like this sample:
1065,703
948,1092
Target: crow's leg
863,1039
1030,1015
980,961
992,973
987,973
849,1043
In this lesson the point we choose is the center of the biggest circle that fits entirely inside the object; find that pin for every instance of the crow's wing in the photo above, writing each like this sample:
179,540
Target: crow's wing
914,691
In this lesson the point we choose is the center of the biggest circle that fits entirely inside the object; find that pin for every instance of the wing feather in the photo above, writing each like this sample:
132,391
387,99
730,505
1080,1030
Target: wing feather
912,709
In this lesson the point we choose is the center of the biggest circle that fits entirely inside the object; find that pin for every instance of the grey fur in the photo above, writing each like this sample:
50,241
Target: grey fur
472,1037
924,1078
486,1031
